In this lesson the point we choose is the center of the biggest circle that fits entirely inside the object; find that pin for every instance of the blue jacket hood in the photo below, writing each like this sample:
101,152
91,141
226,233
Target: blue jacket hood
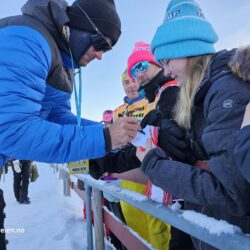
52,13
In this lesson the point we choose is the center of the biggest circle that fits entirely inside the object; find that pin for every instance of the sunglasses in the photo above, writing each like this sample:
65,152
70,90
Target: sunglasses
99,41
141,66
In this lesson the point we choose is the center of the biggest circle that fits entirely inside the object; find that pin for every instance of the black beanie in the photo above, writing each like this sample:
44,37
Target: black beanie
101,12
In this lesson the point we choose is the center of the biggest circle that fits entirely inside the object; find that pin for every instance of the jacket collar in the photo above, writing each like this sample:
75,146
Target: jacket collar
131,101
151,88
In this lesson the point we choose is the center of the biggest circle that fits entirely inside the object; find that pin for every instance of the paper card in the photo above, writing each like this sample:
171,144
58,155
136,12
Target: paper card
141,137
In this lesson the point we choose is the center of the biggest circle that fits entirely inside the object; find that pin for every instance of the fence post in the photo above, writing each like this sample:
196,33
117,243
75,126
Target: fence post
60,173
68,183
64,184
98,219
54,166
88,218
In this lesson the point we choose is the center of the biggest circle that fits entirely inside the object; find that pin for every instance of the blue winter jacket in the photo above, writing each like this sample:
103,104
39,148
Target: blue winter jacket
35,119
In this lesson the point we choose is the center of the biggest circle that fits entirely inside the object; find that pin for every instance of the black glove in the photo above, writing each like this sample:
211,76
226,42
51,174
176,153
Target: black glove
172,140
96,168
153,118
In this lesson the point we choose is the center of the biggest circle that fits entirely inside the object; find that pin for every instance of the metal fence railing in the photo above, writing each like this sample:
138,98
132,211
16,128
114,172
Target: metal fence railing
222,240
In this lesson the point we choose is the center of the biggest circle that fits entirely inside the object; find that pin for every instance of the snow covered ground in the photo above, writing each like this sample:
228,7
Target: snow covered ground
50,222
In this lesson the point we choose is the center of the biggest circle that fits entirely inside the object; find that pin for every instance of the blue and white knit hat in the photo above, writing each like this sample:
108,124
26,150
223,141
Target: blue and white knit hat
185,32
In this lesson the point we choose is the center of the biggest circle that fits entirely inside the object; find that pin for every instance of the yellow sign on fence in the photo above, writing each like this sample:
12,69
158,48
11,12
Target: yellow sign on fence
78,167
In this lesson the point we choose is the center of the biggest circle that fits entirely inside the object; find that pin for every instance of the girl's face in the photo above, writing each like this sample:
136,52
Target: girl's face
175,68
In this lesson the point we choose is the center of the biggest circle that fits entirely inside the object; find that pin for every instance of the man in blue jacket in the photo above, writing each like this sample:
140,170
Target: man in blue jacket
39,50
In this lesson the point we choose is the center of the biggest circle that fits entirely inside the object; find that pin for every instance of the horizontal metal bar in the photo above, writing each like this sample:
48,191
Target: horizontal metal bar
226,241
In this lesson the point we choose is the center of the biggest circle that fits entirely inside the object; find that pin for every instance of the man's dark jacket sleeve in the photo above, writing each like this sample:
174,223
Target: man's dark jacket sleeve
118,161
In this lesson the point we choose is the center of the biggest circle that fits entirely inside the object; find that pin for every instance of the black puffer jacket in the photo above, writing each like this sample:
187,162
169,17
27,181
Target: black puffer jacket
221,192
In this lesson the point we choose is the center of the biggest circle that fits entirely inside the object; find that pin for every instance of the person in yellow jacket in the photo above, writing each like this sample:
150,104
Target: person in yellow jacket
133,105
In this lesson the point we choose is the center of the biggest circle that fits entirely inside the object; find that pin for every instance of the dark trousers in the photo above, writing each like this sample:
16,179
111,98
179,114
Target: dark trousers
179,239
2,217
21,181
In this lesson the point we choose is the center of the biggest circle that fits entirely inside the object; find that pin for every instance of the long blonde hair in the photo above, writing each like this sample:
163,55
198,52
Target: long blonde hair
195,71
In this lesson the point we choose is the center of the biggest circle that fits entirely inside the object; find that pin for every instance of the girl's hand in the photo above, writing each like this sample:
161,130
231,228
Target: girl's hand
141,152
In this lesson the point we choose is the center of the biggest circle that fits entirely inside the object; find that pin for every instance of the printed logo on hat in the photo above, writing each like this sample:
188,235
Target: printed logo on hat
175,14
171,15
200,13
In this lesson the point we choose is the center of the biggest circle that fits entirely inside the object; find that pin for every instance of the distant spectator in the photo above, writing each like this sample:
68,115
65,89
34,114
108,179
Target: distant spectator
107,117
3,240
21,171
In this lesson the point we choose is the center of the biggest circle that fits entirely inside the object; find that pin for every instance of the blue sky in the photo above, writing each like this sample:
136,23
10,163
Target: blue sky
102,87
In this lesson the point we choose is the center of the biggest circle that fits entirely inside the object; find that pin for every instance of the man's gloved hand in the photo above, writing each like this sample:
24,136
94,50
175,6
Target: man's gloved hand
152,118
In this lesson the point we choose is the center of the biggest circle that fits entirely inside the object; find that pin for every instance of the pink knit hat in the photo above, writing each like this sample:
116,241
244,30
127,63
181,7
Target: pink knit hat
140,53
107,116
